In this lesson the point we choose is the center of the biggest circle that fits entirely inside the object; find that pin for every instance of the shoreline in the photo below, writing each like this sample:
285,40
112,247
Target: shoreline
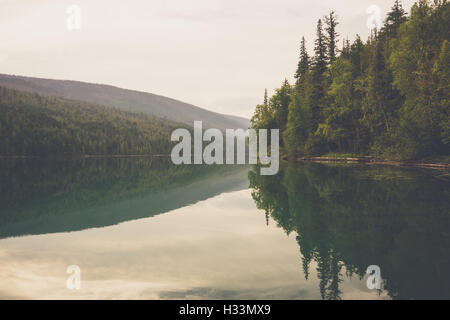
374,161
350,160
86,156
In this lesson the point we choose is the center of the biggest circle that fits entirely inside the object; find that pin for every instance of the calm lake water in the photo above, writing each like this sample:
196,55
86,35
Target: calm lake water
146,229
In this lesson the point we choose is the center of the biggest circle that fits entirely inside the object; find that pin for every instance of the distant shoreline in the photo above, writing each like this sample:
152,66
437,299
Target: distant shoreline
349,160
85,156
374,161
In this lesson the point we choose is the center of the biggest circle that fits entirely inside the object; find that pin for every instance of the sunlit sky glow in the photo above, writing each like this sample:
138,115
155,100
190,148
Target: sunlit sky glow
219,55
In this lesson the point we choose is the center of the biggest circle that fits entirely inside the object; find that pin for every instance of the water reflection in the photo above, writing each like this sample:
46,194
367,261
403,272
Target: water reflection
213,242
349,217
40,196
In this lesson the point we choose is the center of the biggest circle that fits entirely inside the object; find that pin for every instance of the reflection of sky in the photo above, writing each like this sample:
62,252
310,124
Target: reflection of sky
219,248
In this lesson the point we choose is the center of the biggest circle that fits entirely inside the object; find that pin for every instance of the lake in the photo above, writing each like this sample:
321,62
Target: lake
142,228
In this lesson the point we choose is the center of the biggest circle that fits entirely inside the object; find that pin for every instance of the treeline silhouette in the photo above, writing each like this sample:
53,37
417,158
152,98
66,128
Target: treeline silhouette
33,125
350,217
387,97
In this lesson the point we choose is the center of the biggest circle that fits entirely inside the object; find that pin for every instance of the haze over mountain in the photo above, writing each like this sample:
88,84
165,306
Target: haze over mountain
124,99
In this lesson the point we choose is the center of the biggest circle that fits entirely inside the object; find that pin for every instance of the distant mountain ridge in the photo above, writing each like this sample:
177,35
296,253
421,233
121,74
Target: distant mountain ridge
124,99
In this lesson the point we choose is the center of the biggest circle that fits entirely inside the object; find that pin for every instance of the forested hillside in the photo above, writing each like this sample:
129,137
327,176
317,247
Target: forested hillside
123,99
32,125
386,97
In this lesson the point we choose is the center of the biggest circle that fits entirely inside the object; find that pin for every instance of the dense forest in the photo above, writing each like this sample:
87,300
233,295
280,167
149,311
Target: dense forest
33,125
386,97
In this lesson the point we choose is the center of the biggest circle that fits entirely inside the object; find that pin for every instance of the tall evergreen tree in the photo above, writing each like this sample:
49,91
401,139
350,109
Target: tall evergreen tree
332,36
320,50
394,19
346,47
318,85
356,52
303,63
298,116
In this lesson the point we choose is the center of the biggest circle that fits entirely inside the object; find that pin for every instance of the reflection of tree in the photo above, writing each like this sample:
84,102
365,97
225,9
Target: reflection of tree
66,195
358,216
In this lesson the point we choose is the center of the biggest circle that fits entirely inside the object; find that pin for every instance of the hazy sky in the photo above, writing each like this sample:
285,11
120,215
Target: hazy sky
216,54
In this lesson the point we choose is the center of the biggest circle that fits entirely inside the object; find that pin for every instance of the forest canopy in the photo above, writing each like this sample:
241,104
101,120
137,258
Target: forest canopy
386,97
33,125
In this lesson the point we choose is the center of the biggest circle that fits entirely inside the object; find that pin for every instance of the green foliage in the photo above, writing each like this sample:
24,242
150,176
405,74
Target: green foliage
273,113
387,97
418,49
299,120
32,125
332,36
279,103
442,72
303,63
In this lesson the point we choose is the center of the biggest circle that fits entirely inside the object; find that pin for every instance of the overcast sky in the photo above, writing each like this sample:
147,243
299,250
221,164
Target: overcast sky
216,54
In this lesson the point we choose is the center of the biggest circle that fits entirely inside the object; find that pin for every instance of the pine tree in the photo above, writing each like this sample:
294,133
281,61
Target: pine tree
379,84
298,117
304,62
318,85
320,50
332,36
356,51
394,19
346,48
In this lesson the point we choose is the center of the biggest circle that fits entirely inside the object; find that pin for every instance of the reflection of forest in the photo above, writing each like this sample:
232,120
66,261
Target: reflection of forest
41,196
356,216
